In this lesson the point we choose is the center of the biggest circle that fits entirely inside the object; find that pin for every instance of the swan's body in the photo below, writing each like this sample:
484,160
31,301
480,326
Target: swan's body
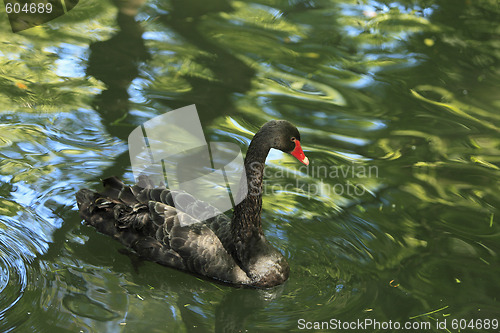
235,251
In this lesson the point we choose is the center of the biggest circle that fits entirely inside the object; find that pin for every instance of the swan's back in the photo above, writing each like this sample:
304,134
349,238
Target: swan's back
145,219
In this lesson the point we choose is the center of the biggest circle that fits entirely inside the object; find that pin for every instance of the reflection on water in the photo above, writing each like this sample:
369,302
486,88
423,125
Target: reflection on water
406,89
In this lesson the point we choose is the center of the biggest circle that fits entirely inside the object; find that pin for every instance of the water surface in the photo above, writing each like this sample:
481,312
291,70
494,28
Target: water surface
396,218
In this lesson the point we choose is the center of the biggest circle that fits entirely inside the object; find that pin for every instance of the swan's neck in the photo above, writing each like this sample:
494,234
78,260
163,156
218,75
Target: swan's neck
246,224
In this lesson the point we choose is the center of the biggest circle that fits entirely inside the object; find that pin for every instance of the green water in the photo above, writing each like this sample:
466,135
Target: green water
396,218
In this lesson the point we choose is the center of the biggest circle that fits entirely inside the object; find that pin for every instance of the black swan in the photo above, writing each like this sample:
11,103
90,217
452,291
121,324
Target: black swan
233,251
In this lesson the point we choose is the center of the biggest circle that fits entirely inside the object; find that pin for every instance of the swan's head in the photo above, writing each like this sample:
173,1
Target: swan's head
283,135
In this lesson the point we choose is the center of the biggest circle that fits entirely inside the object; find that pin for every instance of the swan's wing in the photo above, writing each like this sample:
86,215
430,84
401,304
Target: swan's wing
198,245
205,213
146,220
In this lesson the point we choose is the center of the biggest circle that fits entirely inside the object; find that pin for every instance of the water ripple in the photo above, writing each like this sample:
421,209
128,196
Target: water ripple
41,166
13,270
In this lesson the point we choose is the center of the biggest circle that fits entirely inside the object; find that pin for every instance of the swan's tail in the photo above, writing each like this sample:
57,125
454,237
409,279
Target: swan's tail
95,212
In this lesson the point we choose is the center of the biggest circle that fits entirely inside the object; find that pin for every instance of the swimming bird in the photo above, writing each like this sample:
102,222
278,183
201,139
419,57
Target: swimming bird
235,251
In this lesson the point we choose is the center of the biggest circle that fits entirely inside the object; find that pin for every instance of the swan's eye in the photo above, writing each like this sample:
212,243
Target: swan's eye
293,139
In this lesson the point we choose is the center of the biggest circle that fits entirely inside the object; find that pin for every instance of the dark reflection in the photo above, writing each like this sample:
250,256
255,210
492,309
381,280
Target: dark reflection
233,76
115,62
238,306
231,313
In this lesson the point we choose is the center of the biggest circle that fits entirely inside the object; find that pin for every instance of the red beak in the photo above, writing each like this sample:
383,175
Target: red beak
299,154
